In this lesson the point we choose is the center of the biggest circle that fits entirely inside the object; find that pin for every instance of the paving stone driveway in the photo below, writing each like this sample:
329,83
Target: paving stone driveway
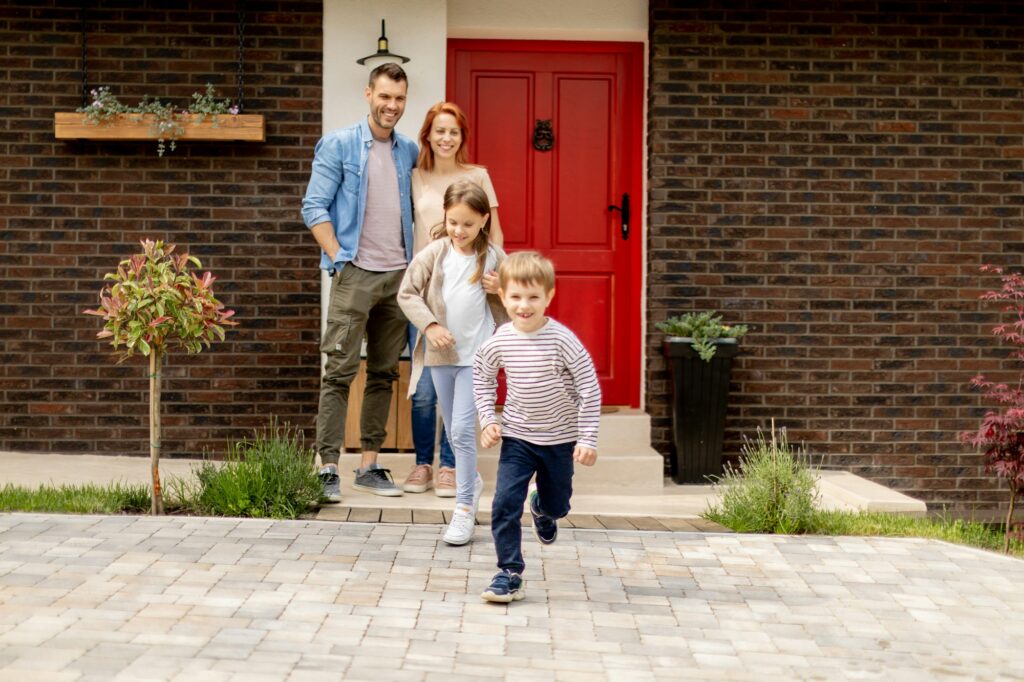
136,598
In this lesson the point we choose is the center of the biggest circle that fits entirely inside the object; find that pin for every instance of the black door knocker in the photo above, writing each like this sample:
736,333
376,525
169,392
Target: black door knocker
543,136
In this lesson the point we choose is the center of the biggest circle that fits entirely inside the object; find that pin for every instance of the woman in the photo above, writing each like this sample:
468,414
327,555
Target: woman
443,160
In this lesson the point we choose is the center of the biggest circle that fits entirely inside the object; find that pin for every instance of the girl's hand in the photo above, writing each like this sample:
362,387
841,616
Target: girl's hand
439,337
584,455
490,435
490,282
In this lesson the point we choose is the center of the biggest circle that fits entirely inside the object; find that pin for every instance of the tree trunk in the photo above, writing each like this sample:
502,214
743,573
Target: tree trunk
1009,516
155,361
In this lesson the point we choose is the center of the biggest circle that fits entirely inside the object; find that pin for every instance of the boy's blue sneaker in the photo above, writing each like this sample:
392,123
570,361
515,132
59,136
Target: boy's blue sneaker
505,587
544,527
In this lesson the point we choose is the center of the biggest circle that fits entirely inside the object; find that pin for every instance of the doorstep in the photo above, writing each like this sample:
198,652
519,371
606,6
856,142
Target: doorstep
672,508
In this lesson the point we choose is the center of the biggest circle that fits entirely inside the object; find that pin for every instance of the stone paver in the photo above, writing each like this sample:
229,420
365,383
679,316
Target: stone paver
136,598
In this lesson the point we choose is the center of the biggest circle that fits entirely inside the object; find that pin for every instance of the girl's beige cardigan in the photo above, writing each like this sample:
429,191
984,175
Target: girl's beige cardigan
420,299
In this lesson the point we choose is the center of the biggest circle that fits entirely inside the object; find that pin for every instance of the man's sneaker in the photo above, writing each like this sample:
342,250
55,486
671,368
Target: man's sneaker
478,490
419,480
377,481
544,527
330,484
505,587
460,529
445,484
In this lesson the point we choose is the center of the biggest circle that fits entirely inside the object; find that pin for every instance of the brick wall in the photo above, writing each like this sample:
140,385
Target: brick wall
70,211
834,178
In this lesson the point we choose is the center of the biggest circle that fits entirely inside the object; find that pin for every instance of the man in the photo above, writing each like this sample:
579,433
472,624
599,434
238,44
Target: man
358,206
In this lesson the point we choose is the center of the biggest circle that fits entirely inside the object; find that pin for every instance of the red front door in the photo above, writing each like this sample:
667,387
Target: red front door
557,200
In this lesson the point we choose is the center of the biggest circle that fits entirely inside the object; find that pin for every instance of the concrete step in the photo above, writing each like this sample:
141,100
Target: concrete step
846,491
626,462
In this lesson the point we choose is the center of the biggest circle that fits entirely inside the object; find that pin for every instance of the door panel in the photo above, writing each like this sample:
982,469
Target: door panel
498,124
584,124
557,201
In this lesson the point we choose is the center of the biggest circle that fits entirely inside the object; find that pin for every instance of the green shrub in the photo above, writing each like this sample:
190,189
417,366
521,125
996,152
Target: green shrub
89,498
773,492
271,476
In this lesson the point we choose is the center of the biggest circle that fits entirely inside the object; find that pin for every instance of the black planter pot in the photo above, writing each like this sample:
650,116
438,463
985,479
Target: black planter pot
699,395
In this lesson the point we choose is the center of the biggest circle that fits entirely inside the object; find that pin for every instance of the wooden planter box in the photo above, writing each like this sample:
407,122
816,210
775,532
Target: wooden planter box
229,127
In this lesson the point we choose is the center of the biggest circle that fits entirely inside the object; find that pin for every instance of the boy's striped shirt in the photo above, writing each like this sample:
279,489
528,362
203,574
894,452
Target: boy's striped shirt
553,394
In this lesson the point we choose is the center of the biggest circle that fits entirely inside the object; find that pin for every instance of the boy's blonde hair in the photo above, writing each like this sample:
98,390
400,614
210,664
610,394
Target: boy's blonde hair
527,267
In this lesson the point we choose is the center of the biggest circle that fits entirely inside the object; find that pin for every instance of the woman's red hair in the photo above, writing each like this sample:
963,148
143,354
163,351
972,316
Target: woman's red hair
425,161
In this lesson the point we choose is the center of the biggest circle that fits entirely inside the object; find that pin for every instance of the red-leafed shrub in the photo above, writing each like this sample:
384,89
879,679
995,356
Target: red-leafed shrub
1001,433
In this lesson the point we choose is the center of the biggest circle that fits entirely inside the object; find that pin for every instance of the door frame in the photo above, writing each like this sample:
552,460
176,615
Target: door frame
632,119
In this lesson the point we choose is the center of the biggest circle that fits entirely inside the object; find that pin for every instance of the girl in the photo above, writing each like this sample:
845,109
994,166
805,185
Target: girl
443,294
443,160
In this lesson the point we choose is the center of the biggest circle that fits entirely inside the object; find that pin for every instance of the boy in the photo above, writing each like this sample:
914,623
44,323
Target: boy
550,418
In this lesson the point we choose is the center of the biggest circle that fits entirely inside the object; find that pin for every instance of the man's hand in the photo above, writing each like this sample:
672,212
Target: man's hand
439,337
584,455
490,282
490,436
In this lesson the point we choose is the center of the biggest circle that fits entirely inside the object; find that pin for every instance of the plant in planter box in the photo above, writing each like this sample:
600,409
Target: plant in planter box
154,302
1001,433
167,123
699,349
704,329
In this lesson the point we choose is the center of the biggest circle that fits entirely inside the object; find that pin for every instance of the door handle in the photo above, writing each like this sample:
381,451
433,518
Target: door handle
624,210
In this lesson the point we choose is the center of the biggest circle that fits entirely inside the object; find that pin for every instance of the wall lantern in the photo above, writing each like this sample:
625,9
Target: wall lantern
382,52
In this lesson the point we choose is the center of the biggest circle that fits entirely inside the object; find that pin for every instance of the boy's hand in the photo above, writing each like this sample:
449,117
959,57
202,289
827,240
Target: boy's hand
584,455
490,436
490,282
439,337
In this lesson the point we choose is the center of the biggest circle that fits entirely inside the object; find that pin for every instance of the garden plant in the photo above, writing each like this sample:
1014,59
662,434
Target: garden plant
1001,432
168,123
703,329
774,490
271,475
153,303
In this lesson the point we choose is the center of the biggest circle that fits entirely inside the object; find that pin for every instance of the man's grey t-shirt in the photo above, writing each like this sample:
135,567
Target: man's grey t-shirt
381,247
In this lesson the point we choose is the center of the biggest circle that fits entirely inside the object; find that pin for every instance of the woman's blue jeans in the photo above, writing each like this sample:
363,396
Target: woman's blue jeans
424,424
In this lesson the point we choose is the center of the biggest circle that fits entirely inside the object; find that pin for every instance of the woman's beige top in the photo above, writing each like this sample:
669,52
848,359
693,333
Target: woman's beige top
428,198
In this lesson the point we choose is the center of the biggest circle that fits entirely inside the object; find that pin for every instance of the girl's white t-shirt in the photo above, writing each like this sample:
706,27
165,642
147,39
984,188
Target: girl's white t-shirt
466,312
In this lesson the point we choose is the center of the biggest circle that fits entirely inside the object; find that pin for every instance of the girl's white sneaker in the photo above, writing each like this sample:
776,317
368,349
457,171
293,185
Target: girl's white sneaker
460,528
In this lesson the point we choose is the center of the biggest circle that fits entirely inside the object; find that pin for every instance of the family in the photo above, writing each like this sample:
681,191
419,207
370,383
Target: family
412,242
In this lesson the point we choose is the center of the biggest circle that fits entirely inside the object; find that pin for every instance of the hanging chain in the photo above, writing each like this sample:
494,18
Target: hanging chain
85,44
241,55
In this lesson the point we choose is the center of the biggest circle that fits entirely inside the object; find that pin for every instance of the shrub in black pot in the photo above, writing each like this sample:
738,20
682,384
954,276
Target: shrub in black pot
699,349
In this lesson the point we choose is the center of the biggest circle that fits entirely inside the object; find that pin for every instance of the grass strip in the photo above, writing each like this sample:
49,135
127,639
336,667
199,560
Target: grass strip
942,527
88,498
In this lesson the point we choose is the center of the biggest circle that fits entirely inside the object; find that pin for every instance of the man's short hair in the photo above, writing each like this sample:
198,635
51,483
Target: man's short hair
527,267
391,70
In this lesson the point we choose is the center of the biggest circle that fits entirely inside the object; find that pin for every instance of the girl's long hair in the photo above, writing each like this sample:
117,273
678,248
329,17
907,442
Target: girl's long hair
425,162
472,195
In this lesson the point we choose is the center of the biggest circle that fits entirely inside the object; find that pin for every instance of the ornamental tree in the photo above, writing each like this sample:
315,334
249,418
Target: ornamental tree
152,304
1001,433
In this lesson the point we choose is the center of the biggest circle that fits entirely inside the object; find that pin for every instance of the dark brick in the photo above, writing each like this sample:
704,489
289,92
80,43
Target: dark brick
898,150
73,210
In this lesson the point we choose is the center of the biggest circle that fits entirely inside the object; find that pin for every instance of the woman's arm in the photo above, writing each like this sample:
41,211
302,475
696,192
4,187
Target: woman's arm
497,238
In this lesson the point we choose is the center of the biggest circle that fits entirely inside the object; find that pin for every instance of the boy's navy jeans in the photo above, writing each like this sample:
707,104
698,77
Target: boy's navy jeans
518,461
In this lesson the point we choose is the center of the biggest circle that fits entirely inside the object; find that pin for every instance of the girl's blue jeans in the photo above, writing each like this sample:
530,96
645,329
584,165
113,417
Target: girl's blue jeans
454,386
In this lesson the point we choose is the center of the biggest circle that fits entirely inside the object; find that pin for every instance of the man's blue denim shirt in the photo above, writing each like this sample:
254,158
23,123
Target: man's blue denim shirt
337,188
